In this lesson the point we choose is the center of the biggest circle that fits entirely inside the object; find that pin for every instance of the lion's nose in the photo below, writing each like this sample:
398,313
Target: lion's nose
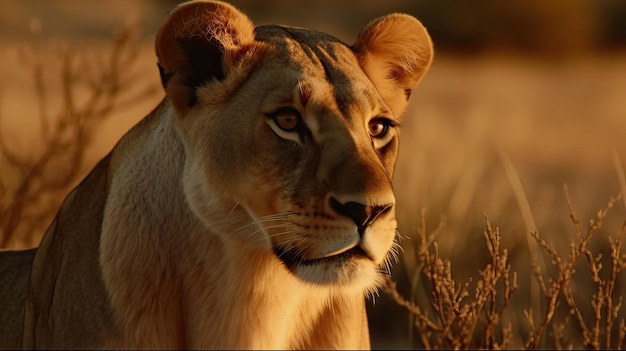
362,215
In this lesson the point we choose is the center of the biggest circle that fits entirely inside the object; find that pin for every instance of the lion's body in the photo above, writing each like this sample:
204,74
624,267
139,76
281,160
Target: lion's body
14,270
252,208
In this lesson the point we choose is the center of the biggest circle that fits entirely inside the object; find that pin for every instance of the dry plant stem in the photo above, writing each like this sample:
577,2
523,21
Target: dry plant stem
602,300
551,294
517,188
422,321
58,164
621,177
459,315
607,288
425,241
496,271
621,334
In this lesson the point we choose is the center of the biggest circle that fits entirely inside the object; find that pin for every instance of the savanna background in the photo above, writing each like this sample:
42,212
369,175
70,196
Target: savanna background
510,175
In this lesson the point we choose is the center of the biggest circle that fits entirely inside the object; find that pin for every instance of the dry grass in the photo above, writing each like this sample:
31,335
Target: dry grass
488,138
471,314
461,315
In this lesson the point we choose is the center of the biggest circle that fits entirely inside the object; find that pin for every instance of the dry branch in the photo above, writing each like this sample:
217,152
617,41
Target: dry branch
91,89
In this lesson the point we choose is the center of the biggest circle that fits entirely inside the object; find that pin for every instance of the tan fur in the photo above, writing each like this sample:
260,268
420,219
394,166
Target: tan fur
212,224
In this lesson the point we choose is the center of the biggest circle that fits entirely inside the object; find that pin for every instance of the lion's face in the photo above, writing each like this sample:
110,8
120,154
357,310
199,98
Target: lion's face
291,145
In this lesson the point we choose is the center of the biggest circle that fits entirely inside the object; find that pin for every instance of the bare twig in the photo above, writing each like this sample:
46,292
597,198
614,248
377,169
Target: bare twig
48,173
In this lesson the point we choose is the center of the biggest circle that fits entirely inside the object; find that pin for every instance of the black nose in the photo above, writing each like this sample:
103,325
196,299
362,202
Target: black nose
362,215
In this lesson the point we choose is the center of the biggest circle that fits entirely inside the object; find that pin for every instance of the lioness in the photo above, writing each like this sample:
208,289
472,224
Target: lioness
253,208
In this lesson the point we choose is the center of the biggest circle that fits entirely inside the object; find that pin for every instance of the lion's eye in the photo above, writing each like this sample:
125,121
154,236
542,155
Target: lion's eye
287,119
378,128
287,123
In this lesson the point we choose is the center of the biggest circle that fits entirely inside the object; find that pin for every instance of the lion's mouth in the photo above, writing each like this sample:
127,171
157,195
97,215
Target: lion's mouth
292,259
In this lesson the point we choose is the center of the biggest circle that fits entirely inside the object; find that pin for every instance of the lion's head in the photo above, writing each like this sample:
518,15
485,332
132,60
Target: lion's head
291,135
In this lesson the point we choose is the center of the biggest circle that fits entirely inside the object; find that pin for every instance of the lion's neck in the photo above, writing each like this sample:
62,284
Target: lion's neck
176,283
227,309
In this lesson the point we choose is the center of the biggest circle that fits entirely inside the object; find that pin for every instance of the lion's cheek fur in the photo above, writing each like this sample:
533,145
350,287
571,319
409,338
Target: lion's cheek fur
226,195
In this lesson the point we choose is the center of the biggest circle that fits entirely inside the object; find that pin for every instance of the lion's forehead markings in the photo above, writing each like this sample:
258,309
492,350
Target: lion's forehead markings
345,89
320,55
339,71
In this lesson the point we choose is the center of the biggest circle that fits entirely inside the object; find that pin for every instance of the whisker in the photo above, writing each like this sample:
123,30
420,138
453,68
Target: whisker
260,227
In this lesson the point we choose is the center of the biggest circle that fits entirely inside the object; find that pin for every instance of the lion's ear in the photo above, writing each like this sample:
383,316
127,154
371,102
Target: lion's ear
201,41
394,51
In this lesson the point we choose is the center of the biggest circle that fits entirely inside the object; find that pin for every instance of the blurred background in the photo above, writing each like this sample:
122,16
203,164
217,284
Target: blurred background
534,27
524,98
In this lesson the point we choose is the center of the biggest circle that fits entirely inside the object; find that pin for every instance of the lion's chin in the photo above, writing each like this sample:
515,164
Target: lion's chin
352,268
